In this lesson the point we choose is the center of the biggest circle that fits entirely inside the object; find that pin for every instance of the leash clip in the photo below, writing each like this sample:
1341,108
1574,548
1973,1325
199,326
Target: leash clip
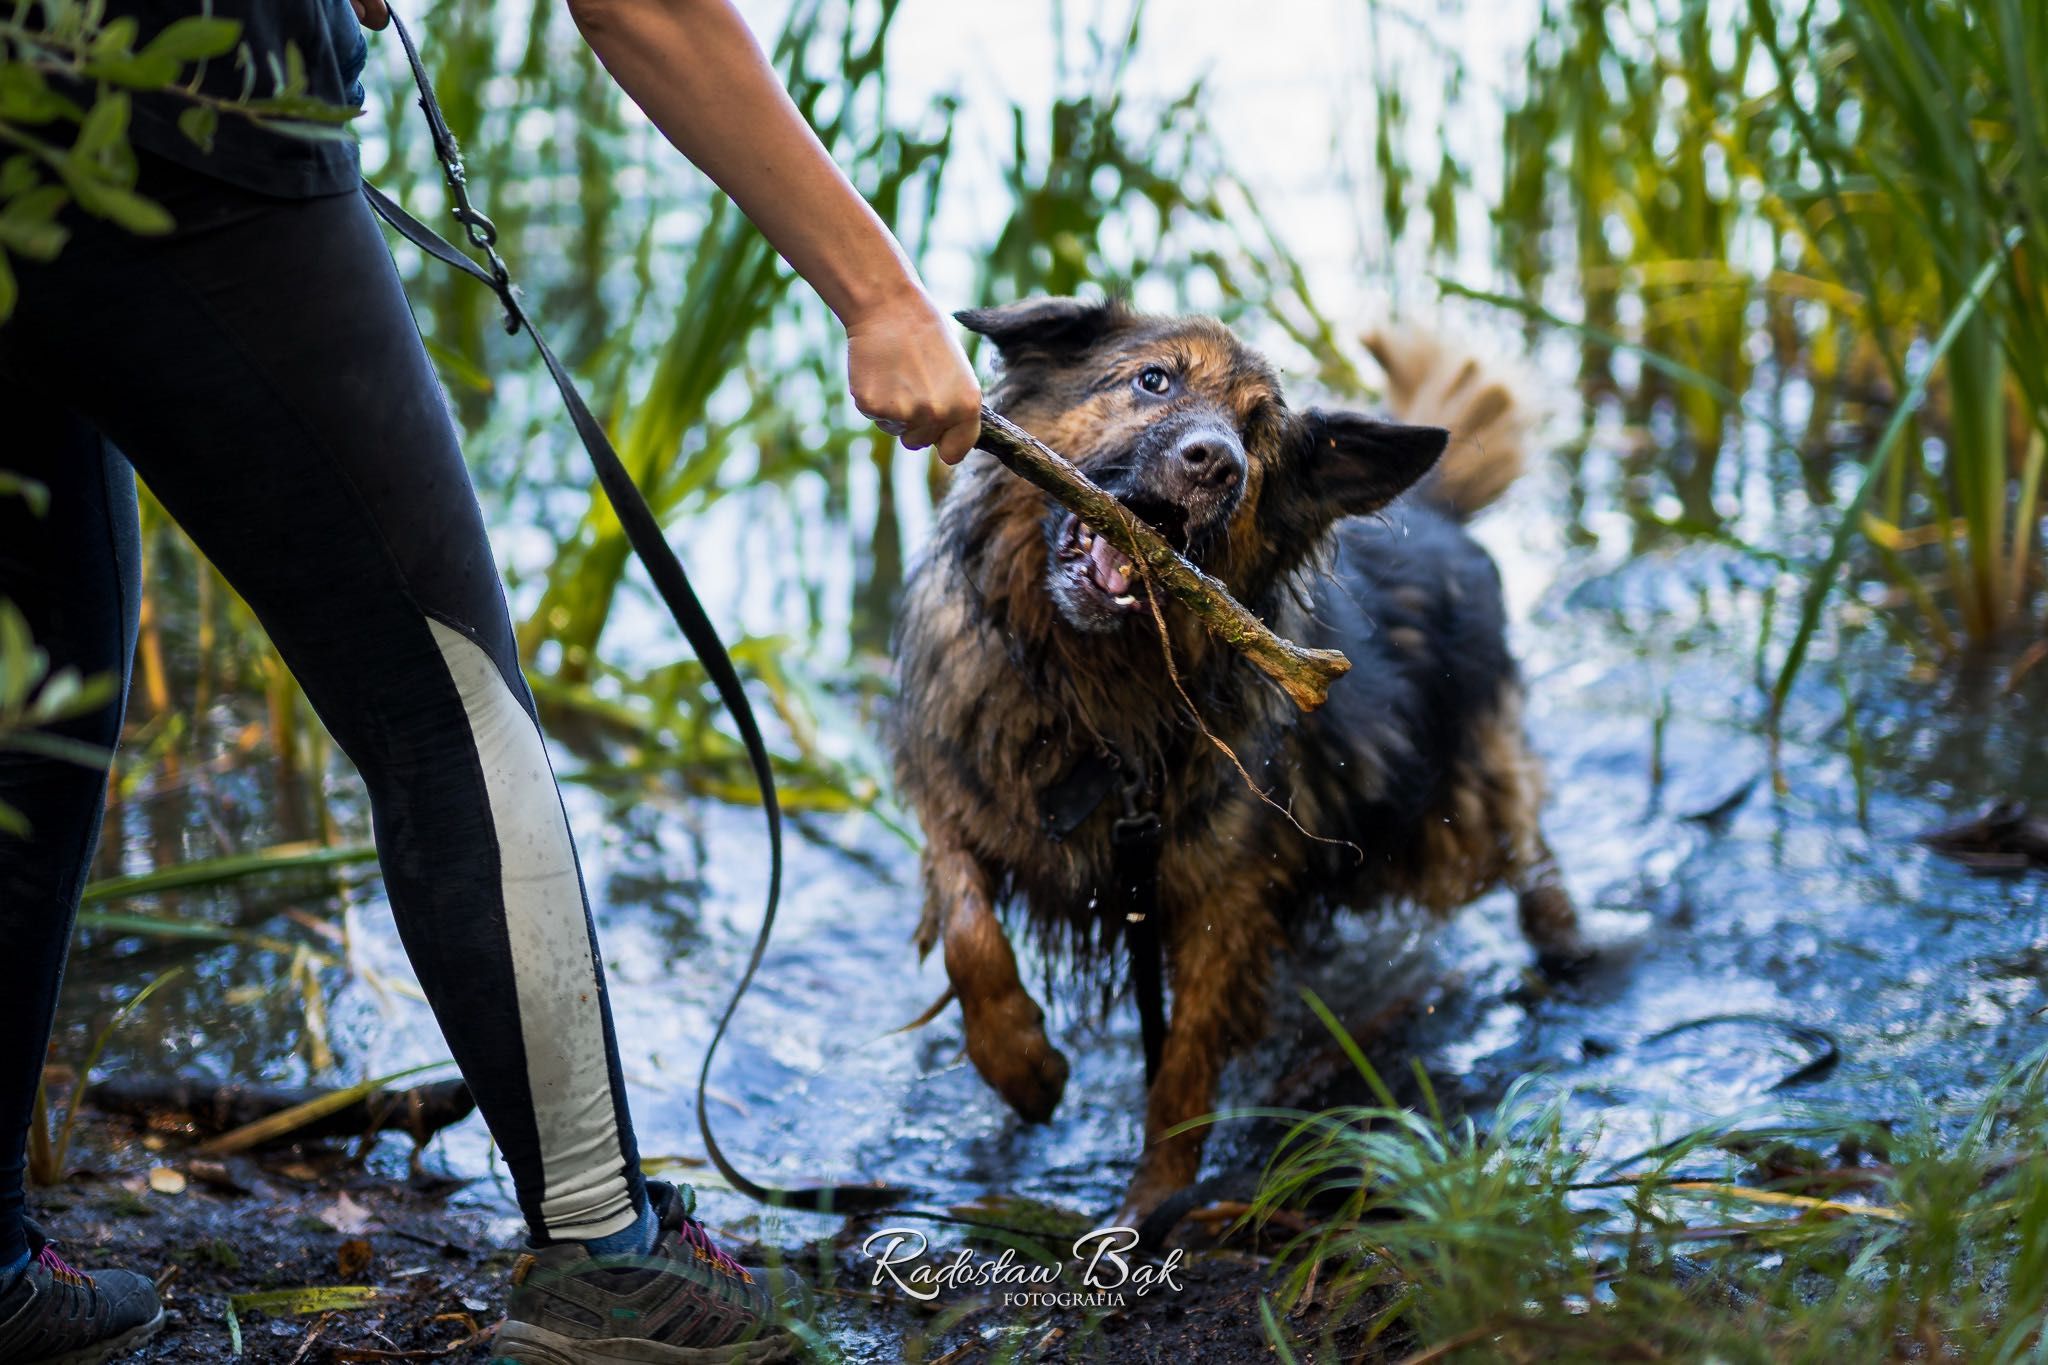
1136,825
482,232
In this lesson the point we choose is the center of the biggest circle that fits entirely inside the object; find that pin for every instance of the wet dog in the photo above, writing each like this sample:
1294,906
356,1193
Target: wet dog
1037,716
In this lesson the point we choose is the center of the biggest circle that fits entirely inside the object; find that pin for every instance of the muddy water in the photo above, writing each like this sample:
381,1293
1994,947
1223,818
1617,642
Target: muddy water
1718,897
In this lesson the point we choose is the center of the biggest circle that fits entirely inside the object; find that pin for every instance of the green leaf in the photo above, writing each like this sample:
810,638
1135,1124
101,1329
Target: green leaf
8,290
458,369
309,1299
302,107
26,97
199,123
22,665
134,72
31,491
105,127
195,39
18,175
118,205
60,747
55,695
28,222
117,39
312,132
295,81
68,694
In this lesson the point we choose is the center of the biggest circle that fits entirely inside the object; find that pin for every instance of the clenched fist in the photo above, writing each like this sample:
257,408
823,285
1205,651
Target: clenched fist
909,375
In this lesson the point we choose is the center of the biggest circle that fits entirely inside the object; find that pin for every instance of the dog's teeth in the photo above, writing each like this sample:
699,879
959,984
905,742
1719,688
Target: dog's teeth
1127,600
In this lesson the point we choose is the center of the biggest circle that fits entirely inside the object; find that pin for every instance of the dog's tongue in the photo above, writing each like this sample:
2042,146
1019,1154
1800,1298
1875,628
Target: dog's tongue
1110,567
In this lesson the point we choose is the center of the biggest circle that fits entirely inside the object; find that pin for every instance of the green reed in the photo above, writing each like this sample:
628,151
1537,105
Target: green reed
49,1143
1822,190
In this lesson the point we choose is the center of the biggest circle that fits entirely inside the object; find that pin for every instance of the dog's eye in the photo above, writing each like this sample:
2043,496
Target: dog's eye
1153,379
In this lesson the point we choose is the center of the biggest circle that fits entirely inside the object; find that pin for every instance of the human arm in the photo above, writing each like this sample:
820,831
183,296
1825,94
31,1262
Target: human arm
695,69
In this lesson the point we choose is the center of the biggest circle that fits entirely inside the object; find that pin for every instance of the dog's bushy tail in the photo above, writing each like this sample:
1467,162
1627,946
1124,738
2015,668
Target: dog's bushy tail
1432,382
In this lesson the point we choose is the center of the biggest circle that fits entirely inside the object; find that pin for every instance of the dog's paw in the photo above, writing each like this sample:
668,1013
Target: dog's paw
1036,1082
1144,1197
1568,961
1597,962
1006,1042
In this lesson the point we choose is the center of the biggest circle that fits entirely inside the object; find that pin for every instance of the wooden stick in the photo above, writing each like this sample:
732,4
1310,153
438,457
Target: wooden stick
1304,675
217,1109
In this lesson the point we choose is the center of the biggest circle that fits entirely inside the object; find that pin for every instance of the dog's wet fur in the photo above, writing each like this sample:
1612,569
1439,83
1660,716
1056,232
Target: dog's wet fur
1028,653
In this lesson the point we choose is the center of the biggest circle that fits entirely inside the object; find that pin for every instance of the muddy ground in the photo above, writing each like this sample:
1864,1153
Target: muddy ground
312,1216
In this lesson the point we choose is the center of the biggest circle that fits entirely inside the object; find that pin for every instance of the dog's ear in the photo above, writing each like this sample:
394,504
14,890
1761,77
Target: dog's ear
1357,464
1048,326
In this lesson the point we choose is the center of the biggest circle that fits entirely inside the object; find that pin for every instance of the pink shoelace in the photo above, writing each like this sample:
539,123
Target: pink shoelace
708,1250
58,1267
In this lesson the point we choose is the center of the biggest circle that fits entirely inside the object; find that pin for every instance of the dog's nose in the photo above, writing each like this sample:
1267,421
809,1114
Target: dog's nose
1208,458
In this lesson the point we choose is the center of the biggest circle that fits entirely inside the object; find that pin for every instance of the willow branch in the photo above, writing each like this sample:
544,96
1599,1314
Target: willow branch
1303,674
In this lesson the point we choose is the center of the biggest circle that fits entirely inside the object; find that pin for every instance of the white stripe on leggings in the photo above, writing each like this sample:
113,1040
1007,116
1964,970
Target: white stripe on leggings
555,977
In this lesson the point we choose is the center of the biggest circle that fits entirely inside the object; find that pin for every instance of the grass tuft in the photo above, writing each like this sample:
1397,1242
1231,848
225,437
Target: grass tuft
1499,1237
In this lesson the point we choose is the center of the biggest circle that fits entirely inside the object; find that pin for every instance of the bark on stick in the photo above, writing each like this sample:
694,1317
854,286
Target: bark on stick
1303,674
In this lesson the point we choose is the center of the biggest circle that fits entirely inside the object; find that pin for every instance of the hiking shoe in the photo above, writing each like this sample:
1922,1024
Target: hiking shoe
55,1315
685,1303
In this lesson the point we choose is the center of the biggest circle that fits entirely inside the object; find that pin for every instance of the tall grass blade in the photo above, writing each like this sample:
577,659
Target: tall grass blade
209,872
1277,1336
1821,586
59,1149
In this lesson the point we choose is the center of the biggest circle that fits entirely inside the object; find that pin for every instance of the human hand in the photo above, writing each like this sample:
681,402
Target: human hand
371,13
910,377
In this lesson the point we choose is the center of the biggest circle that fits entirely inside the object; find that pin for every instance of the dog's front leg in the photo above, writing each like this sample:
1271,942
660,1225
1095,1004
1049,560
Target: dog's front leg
1549,920
1220,954
1005,1027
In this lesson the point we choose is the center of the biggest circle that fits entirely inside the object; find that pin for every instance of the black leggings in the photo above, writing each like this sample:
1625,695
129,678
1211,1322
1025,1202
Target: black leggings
259,367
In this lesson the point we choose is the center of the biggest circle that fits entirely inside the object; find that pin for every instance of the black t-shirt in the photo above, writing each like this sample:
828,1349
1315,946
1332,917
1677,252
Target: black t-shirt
331,46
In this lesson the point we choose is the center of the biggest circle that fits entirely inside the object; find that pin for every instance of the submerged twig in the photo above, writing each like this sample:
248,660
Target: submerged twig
1303,674
223,1110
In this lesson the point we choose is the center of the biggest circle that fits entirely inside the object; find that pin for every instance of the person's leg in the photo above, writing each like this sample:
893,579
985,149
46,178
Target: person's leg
261,369
70,565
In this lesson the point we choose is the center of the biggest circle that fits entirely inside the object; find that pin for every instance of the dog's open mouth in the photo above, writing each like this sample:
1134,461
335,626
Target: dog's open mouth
1093,563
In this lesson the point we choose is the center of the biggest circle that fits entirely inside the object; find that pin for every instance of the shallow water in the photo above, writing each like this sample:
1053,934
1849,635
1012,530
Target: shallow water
1717,896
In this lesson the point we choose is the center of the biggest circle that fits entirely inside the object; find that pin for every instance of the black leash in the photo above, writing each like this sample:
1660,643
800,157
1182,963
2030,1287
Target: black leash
1134,867
643,533
1133,891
